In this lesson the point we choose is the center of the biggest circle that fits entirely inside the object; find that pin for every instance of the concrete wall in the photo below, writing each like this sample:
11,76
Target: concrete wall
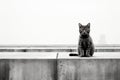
101,66
28,69
4,69
89,69
59,67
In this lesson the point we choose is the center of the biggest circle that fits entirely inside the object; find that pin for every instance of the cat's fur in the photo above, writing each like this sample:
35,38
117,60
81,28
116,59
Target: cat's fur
85,45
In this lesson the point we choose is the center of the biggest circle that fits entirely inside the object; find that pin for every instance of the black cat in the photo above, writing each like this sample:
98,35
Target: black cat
85,45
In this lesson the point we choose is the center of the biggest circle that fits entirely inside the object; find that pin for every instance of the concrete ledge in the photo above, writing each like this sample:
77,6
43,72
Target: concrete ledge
57,55
59,66
102,66
31,66
32,55
97,55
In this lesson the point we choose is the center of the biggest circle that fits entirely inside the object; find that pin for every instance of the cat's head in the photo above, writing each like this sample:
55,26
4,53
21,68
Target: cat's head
84,30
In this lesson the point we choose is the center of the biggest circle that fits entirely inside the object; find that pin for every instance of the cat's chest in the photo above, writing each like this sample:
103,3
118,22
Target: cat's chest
85,43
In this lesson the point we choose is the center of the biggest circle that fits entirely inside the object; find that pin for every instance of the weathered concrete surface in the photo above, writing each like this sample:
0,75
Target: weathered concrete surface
33,66
33,69
4,70
28,69
89,69
51,66
93,68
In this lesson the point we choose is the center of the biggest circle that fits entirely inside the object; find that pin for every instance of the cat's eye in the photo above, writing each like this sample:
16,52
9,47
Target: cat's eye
88,26
80,26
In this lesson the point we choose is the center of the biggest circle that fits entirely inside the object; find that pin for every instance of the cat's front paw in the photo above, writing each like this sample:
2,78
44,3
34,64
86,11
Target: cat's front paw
88,53
81,54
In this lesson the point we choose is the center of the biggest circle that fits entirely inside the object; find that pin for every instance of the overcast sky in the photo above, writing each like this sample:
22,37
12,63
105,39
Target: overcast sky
56,21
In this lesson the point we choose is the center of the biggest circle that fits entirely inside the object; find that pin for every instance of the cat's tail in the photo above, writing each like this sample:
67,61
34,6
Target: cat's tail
73,54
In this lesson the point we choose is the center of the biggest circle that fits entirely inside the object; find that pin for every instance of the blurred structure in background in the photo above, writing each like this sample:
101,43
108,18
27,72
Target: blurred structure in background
102,39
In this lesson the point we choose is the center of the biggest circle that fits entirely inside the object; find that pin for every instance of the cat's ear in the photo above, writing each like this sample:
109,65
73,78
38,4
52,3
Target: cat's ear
79,24
88,25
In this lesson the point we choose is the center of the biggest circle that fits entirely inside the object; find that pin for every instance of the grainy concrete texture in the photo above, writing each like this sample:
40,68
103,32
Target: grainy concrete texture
102,66
28,69
54,66
89,69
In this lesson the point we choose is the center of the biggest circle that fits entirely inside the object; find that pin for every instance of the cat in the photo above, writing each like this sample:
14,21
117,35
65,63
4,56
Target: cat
85,44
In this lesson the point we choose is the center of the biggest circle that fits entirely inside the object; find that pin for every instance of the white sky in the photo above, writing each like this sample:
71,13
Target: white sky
56,21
